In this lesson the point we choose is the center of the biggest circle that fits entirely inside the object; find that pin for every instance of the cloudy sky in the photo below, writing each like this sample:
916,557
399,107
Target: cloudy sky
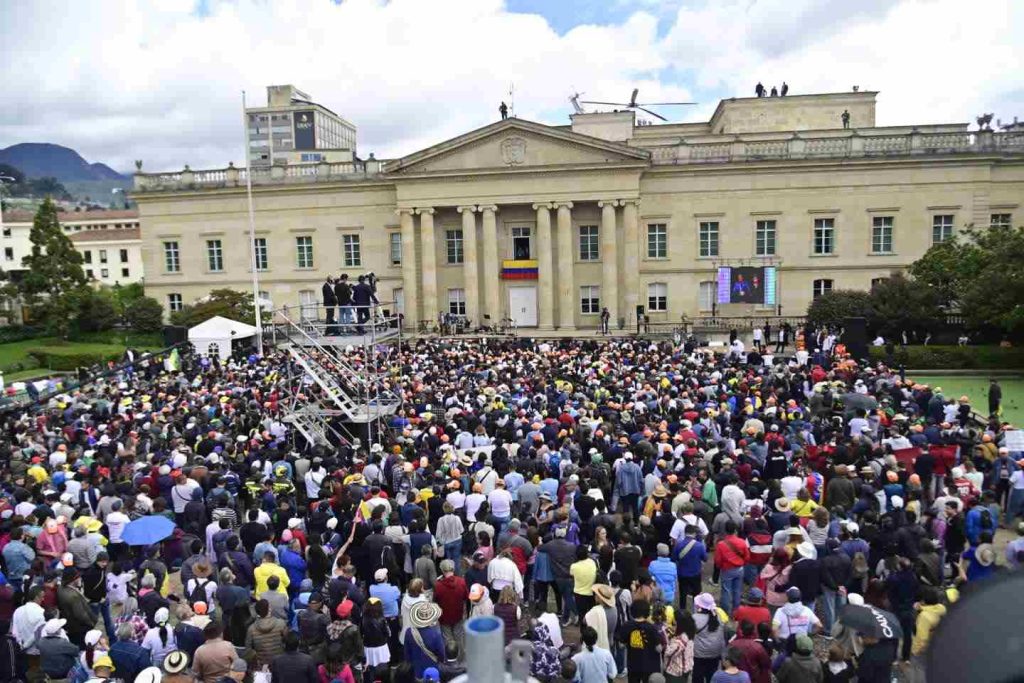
161,80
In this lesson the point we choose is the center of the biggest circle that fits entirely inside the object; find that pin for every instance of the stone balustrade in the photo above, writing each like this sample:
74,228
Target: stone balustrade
268,175
851,144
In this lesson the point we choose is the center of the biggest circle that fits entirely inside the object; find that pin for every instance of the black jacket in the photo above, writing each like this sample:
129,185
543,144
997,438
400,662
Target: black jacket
343,293
293,667
836,570
806,575
330,298
362,295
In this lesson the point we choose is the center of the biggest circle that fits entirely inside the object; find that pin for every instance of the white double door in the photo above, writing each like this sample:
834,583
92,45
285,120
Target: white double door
522,305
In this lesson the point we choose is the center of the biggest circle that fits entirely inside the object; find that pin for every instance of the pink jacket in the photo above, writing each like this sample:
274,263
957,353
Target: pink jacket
52,545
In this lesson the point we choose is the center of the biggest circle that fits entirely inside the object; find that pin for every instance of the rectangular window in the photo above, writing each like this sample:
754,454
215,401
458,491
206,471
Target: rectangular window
104,272
657,296
589,240
657,240
457,301
87,256
396,248
453,245
590,299
764,238
942,228
350,249
824,236
88,273
8,254
822,287
1000,220
172,257
708,238
304,251
124,272
174,302
521,249
881,235
214,256
103,255
706,295
262,257
7,231
124,256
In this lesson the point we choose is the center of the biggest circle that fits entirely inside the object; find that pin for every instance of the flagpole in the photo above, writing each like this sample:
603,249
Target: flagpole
252,232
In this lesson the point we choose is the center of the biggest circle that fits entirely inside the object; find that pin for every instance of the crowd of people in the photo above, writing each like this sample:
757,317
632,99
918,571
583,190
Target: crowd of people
633,509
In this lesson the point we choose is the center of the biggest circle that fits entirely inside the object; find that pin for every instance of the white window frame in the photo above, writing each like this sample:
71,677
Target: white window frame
657,297
304,251
881,234
821,286
395,248
174,302
520,232
823,242
1000,220
588,239
708,239
765,237
942,227
590,299
454,247
457,301
351,250
657,240
713,286
215,256
259,245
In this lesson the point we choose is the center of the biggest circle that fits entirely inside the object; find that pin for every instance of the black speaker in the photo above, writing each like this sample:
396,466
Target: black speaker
174,334
855,336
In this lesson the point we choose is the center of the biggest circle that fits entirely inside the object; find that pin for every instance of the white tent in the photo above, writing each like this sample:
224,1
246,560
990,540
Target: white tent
214,336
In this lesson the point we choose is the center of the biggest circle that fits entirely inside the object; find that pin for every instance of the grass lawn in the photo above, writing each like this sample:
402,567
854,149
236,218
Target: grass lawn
975,387
16,362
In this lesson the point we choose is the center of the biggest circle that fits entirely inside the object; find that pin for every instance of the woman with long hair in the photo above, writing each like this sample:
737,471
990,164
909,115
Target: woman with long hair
376,634
160,640
509,612
678,655
775,577
593,664
818,529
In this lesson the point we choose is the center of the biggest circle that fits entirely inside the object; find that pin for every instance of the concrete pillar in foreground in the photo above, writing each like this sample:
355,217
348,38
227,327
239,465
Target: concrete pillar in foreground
545,272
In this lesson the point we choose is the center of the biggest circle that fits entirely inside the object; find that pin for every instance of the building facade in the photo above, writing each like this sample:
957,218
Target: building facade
110,243
292,129
548,225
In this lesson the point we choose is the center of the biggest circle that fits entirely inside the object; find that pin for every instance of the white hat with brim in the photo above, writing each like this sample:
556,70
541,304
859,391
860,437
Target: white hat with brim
54,626
424,614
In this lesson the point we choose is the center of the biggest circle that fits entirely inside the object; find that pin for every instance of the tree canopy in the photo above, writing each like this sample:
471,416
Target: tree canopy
227,303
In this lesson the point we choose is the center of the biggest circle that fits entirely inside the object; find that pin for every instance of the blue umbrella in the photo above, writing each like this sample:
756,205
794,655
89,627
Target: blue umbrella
147,530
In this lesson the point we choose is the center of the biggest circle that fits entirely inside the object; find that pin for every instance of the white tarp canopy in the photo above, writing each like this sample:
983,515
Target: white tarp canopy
216,334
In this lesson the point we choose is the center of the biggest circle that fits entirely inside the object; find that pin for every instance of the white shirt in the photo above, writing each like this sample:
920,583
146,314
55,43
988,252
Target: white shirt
116,522
26,624
314,478
457,499
503,572
488,479
181,495
691,519
500,501
794,617
473,501
791,485
1017,479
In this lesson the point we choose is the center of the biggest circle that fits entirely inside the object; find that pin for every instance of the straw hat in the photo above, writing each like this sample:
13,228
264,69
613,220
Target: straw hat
985,555
604,594
782,504
424,614
660,491
175,662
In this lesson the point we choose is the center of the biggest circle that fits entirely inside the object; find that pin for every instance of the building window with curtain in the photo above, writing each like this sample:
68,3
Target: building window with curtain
657,297
457,301
396,248
590,299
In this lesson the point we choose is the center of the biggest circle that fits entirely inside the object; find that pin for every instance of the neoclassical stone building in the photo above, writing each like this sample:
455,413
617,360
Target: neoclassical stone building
549,224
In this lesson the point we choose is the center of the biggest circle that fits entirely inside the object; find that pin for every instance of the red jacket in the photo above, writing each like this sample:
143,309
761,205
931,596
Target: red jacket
731,552
451,594
753,659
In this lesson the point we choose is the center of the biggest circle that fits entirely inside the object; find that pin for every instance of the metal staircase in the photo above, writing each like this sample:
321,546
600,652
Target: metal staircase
332,397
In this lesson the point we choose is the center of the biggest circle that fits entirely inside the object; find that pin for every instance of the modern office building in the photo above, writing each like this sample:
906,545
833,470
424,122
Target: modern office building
292,129
771,202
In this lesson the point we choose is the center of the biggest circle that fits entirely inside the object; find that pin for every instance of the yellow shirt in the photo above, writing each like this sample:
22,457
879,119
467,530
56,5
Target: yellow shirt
265,571
585,574
927,619
803,508
38,473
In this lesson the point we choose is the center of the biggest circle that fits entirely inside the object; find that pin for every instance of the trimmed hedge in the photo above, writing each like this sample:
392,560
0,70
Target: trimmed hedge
73,357
954,357
14,333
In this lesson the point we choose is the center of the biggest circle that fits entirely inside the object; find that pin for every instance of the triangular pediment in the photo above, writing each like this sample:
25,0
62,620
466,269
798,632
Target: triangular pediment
516,144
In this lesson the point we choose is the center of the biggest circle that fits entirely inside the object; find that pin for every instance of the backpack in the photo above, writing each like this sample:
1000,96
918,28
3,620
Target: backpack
198,592
555,464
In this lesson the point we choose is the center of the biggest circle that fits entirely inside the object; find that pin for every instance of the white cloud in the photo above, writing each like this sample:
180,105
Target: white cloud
121,80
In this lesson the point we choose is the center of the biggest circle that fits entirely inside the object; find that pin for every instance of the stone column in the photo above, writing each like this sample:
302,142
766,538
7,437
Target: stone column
566,283
492,305
409,284
428,259
545,272
609,262
471,275
631,260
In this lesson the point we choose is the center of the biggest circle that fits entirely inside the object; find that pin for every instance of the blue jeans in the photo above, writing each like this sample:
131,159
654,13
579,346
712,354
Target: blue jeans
499,524
453,552
750,573
732,588
103,609
832,602
345,314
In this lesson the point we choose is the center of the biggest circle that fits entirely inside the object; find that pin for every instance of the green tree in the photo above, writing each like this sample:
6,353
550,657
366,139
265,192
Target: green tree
126,295
54,276
899,304
145,314
96,310
833,307
227,303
